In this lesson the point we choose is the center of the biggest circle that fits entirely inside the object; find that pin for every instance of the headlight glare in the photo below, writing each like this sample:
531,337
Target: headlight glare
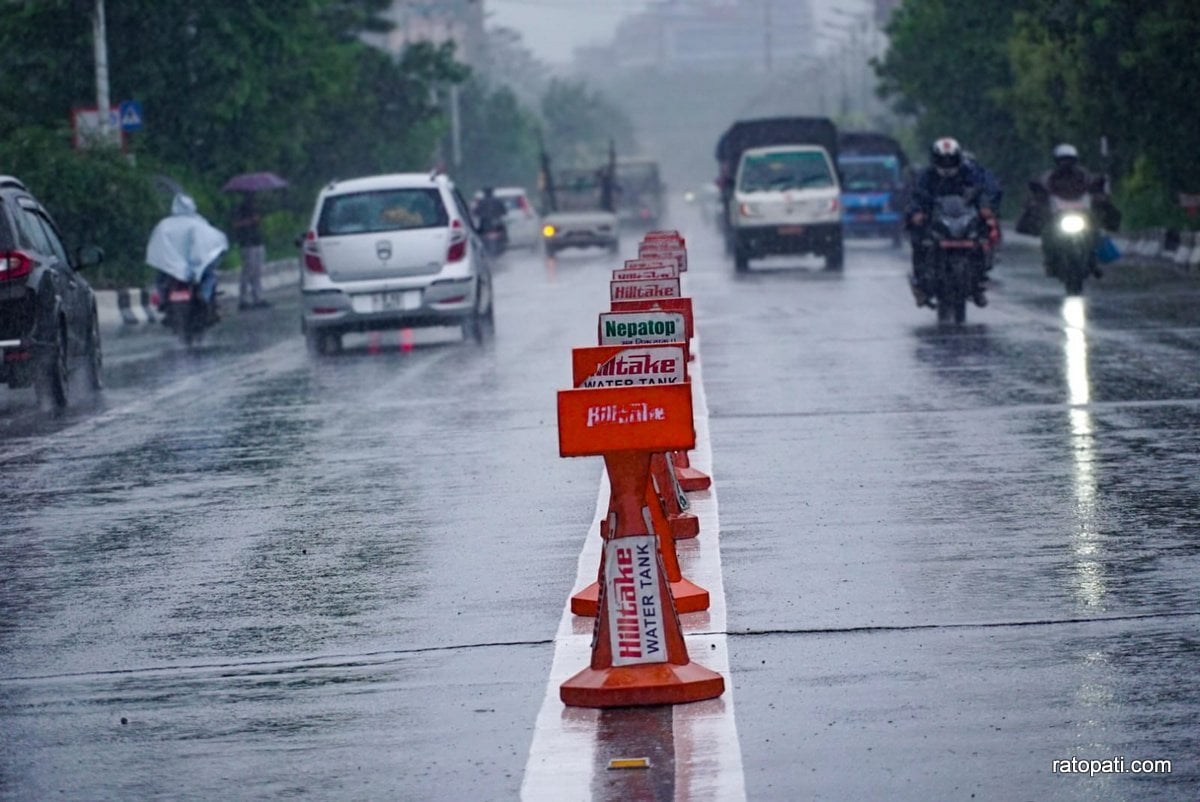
1072,223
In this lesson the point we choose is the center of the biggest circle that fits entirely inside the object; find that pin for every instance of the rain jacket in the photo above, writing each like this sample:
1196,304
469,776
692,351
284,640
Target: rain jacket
183,244
930,185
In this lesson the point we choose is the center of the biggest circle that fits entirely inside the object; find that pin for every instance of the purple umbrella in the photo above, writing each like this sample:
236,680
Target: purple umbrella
254,182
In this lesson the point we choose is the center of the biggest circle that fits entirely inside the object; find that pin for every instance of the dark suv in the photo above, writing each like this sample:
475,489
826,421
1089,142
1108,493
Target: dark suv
48,324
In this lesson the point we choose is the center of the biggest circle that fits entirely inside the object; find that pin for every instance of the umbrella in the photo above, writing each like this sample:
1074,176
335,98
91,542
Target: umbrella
254,182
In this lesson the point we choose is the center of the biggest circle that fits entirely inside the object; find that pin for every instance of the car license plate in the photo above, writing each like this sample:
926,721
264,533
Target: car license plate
866,216
395,301
791,231
179,296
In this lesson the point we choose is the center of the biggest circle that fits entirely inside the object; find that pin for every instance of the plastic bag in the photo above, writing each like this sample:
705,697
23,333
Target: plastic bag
1107,251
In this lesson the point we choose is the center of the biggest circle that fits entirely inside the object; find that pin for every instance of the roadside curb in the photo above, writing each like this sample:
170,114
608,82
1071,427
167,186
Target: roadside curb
131,306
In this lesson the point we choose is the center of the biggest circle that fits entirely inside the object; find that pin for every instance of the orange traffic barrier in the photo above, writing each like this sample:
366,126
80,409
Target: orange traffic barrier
684,524
626,366
639,656
689,597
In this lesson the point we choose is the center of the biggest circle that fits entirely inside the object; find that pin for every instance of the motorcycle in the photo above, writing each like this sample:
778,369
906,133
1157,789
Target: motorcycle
495,237
1070,236
960,240
185,311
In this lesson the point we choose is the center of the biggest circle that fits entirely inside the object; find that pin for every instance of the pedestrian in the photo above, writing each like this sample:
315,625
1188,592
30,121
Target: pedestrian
247,231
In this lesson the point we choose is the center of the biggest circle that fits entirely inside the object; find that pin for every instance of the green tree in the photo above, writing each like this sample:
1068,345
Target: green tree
580,122
229,86
96,197
499,139
948,66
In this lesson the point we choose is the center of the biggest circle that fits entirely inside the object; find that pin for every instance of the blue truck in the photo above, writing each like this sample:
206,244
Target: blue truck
875,184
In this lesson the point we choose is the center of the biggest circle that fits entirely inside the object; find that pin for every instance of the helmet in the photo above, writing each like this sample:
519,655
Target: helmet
1065,155
946,154
1065,151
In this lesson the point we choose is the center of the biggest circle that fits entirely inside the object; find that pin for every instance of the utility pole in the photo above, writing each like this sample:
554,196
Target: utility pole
100,41
767,34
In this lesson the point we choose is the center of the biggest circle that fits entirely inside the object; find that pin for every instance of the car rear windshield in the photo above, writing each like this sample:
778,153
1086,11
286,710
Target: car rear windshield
382,210
791,169
866,176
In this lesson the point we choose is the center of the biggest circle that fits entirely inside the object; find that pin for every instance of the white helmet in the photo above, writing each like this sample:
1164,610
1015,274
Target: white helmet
1065,151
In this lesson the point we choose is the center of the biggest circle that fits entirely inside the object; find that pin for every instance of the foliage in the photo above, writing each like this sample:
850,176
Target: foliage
230,86
948,66
95,196
1063,70
581,122
499,139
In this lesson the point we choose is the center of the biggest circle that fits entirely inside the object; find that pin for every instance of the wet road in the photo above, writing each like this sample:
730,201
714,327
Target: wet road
951,557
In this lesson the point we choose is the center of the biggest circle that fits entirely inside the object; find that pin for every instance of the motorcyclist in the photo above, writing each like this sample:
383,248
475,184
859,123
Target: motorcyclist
490,210
948,173
1068,180
185,246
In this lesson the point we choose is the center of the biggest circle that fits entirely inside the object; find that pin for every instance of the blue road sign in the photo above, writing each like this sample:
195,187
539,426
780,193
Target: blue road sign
131,115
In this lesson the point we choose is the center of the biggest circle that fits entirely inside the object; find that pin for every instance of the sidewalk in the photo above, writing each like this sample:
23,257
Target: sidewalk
131,306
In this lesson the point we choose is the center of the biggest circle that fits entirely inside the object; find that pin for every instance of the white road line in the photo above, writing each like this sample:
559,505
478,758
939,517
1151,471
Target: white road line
708,756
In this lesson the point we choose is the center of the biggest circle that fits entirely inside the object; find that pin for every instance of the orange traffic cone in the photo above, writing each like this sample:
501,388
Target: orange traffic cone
689,478
639,656
689,597
684,524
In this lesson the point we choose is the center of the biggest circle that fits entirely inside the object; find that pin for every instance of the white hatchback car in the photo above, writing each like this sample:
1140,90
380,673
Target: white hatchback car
390,252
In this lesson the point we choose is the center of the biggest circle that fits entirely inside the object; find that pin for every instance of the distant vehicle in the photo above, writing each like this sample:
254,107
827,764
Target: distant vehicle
580,219
389,252
640,193
765,132
786,200
520,218
48,322
875,177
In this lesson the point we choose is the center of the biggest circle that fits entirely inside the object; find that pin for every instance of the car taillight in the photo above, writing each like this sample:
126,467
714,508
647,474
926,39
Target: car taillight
523,203
458,242
312,254
835,205
14,265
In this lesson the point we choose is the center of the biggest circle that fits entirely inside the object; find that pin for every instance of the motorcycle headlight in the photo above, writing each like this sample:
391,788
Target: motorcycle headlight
1072,223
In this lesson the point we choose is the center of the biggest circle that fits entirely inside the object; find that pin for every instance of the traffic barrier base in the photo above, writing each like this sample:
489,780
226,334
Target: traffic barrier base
689,478
639,656
684,524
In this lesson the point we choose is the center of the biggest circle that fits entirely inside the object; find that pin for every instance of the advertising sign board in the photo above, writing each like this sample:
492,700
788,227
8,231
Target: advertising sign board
633,595
644,290
624,365
652,417
641,328
681,306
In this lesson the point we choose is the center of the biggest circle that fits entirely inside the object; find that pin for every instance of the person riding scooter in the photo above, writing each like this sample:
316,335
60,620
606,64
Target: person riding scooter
490,213
1070,182
186,247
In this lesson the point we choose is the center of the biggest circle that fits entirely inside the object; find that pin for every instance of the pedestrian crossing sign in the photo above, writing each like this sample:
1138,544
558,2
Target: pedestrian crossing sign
130,112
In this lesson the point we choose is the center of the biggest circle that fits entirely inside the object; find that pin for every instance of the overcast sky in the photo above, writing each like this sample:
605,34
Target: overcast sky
552,29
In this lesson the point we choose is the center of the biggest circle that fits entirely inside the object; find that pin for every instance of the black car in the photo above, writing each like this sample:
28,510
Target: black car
48,323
